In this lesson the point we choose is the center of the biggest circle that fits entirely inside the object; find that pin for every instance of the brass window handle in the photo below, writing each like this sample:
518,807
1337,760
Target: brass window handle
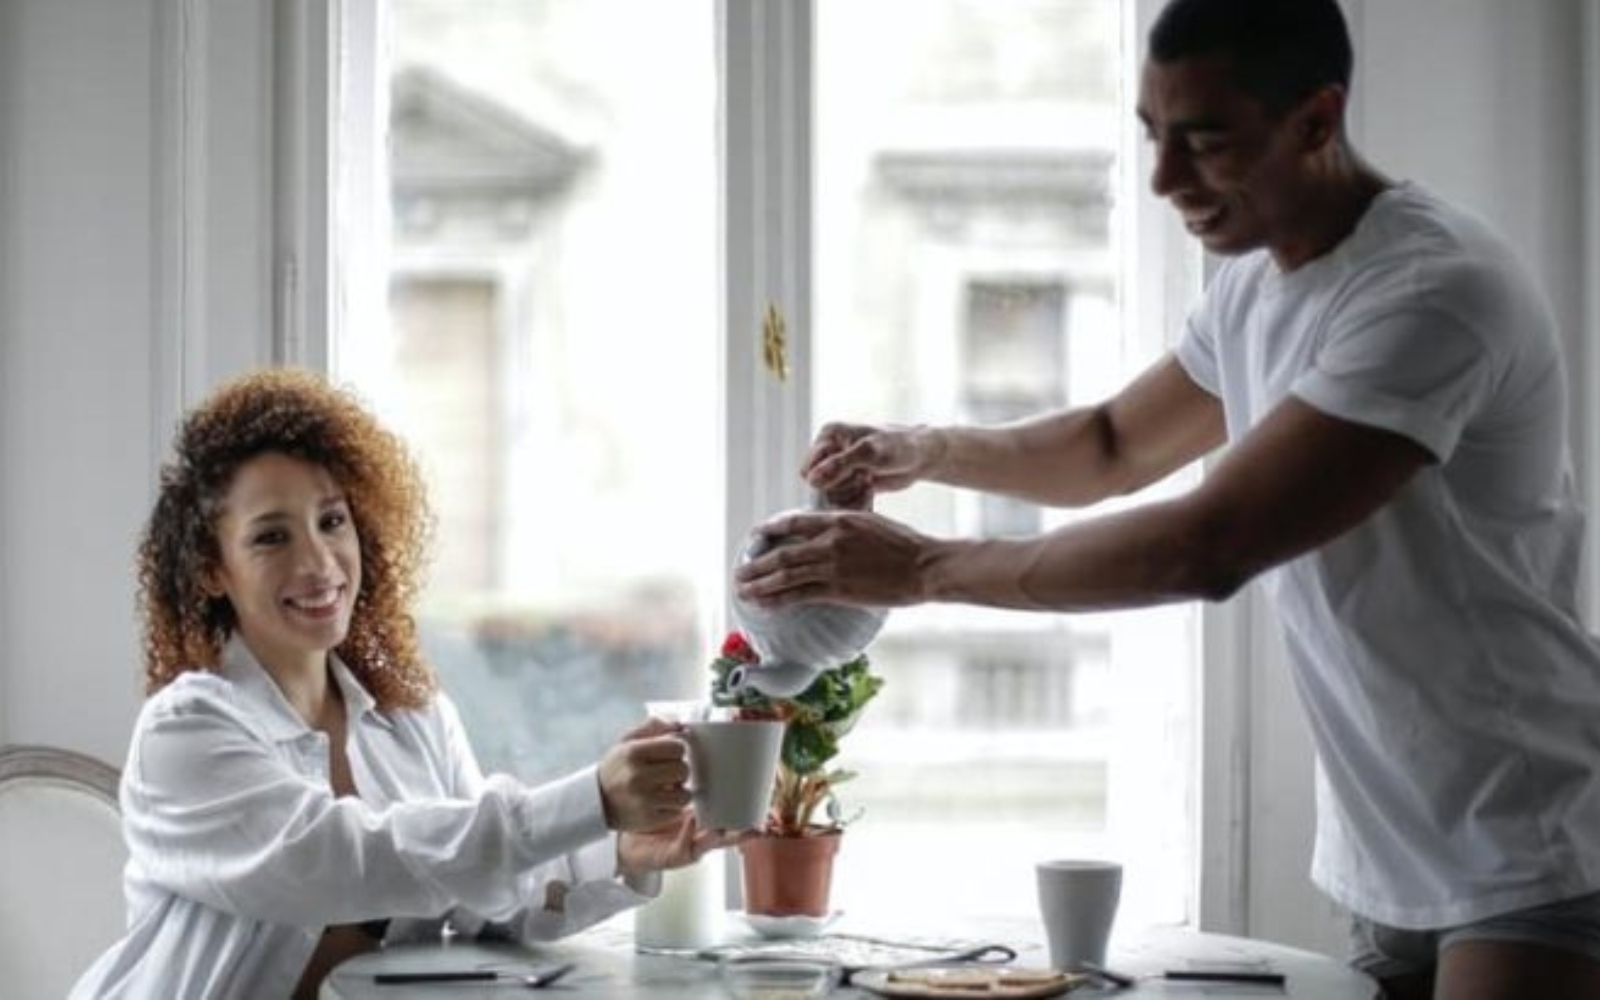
775,343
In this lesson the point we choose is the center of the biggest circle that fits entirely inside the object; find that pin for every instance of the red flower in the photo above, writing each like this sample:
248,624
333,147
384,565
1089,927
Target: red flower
737,647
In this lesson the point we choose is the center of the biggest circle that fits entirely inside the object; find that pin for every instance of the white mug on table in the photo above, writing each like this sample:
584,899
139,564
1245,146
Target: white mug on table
731,769
1078,904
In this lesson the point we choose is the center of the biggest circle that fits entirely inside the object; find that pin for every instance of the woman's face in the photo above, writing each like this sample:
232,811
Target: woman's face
291,560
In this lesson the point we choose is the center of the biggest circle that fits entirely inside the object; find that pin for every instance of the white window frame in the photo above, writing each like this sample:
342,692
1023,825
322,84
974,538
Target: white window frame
327,274
328,271
764,134
223,229
767,48
1586,355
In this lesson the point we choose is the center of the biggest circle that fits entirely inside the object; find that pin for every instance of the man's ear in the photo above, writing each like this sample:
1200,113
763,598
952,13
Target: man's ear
1322,117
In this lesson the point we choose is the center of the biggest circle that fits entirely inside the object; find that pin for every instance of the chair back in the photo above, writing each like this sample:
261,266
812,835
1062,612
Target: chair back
61,860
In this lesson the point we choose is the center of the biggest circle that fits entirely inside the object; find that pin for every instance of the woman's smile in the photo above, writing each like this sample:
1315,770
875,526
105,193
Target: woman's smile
320,604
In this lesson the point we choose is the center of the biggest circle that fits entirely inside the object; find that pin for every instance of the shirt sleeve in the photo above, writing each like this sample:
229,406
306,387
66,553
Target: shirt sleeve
591,892
1197,347
212,814
1416,367
586,879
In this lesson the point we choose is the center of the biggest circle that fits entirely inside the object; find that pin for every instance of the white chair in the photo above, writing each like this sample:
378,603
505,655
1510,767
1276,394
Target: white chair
61,859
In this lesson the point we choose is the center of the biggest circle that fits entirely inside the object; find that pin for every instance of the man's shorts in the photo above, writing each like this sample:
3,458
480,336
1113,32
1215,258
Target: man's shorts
1385,952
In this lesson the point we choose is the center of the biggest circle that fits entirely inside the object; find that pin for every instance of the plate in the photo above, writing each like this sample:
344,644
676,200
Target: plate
797,926
968,981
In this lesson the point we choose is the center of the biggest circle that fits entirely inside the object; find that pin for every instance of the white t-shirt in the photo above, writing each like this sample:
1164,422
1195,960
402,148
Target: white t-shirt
239,853
1453,694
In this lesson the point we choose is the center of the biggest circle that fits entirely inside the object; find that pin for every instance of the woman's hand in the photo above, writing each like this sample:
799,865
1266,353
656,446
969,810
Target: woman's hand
849,464
672,845
642,778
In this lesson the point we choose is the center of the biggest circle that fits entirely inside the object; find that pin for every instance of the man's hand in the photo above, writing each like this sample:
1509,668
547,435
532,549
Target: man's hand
642,778
845,557
672,845
849,464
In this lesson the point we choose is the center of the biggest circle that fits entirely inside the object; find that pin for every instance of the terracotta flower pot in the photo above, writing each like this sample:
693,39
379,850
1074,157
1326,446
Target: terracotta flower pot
789,876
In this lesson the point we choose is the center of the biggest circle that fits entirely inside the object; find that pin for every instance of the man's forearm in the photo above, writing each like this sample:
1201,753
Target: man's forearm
1154,554
1063,459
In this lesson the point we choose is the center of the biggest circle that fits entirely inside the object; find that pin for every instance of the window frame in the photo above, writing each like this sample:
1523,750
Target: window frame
764,134
327,271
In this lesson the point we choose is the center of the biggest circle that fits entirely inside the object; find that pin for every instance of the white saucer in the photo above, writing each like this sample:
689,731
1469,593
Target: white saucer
797,926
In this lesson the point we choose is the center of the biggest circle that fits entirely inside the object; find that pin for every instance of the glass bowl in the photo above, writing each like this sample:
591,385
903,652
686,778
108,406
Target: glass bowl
777,976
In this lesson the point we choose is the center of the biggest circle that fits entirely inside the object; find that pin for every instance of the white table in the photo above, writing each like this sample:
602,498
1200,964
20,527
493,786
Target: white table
608,967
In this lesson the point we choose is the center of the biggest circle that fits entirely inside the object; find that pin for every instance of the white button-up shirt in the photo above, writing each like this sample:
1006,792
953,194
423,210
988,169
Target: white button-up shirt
240,854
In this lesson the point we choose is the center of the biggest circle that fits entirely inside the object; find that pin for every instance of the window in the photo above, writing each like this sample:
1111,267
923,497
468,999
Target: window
1013,366
552,356
969,159
556,348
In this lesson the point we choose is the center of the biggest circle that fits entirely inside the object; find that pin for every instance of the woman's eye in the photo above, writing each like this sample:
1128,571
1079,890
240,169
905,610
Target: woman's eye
334,520
273,537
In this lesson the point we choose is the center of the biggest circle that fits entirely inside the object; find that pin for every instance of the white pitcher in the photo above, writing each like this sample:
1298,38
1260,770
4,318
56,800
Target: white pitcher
799,641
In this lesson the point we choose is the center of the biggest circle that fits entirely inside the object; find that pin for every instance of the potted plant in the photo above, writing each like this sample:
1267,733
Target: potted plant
788,870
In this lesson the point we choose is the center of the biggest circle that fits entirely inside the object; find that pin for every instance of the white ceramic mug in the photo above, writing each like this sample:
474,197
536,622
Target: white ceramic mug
731,766
1078,904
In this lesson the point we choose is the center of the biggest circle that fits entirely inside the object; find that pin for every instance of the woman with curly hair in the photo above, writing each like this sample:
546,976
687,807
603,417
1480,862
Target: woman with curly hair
297,787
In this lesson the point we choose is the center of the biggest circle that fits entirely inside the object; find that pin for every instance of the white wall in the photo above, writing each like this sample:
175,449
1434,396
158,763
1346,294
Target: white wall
136,268
1481,101
134,271
76,307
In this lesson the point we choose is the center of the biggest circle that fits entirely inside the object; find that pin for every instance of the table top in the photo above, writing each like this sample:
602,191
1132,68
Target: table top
607,965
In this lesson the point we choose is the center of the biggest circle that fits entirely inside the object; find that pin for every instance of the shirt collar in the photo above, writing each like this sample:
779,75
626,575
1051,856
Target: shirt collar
262,696
359,704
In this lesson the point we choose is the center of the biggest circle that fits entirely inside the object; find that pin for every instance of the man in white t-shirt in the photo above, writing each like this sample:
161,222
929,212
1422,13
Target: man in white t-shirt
1389,385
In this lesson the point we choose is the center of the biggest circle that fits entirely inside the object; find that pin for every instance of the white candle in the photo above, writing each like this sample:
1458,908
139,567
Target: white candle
688,913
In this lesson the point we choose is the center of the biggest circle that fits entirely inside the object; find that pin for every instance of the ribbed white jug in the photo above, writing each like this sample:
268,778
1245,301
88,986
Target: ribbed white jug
799,641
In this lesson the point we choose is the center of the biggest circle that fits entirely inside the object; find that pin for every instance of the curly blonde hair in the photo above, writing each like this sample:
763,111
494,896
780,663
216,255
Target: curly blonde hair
295,413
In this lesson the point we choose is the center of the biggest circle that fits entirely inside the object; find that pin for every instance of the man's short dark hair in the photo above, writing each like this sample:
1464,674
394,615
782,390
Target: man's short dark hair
1282,51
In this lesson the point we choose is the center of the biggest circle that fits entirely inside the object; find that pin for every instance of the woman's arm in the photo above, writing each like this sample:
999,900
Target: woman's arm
211,813
565,894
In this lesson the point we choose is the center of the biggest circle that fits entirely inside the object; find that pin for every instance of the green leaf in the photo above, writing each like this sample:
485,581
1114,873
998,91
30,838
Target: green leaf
807,748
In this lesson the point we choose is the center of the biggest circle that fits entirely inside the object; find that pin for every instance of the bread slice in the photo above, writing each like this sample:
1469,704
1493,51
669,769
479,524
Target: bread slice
978,981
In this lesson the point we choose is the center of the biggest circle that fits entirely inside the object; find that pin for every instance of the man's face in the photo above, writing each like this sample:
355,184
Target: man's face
1231,169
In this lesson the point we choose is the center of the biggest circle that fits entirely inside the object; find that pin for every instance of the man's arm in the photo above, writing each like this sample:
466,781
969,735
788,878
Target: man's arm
1299,479
1156,425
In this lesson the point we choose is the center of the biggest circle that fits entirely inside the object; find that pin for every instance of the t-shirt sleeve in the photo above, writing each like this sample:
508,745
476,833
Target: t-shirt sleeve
1197,346
1416,367
1197,355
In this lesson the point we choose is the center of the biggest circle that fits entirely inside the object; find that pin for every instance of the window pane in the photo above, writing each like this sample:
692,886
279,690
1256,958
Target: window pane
966,268
552,356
